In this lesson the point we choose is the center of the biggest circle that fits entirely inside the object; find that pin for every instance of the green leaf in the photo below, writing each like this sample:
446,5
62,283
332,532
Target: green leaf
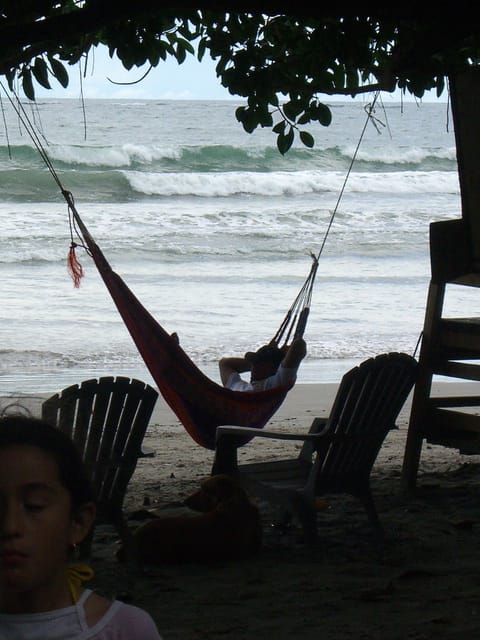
307,139
180,53
338,77
293,108
285,141
250,121
274,100
279,127
201,49
40,71
323,114
161,50
264,116
440,84
59,72
187,46
240,114
153,57
10,75
247,117
126,55
27,84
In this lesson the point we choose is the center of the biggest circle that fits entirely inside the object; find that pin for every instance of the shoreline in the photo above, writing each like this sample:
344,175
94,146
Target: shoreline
49,381
302,401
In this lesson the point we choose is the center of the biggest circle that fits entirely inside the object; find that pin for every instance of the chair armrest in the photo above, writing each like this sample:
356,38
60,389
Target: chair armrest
117,461
225,431
226,447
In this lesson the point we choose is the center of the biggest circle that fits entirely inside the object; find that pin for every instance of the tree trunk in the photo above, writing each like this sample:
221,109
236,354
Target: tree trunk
465,97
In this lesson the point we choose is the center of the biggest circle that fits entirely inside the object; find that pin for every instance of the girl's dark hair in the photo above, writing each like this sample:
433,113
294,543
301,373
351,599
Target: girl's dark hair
24,430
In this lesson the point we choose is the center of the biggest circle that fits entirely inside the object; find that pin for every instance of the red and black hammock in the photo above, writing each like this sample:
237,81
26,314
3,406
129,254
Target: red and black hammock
200,404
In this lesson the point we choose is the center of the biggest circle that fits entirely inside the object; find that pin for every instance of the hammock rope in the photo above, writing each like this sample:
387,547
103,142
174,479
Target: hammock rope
73,265
369,109
296,318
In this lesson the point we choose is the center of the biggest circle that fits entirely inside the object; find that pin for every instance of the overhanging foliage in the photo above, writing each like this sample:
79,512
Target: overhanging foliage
280,57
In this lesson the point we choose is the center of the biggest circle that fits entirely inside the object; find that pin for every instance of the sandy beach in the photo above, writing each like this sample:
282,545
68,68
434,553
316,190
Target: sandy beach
424,585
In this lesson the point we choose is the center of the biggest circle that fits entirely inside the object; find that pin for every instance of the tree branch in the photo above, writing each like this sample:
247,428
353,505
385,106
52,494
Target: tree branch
95,15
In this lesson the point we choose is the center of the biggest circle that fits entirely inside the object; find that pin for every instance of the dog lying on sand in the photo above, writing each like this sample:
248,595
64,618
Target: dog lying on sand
224,525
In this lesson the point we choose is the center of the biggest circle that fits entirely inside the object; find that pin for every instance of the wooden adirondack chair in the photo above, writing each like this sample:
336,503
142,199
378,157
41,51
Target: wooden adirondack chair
338,452
107,419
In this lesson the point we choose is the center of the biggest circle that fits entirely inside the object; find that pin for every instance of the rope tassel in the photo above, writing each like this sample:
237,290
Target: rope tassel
74,267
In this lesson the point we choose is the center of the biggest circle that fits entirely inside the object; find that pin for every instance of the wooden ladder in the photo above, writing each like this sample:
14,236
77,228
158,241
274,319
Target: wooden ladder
451,348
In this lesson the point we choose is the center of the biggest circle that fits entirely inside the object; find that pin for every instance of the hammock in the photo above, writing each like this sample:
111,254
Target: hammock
200,404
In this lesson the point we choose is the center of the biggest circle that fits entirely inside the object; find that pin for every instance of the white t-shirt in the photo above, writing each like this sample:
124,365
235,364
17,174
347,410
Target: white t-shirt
120,622
282,378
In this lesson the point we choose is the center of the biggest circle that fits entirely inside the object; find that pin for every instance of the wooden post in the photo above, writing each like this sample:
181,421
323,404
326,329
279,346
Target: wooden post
465,100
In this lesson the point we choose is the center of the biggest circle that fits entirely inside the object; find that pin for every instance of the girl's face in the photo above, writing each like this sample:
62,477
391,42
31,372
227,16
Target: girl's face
37,529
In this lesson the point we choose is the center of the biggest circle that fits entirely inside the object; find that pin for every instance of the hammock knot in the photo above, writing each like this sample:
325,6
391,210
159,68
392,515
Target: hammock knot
67,195
74,267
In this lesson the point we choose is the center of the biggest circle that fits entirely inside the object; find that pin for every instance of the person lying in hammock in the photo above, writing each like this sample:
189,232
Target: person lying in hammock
269,367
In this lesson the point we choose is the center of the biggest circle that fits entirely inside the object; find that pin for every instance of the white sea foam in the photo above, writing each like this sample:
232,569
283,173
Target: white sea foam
289,184
114,156
404,155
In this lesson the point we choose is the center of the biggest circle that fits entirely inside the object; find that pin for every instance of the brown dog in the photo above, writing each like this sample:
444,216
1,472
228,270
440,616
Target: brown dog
227,528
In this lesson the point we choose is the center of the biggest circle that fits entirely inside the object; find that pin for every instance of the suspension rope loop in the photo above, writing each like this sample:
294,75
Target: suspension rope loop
297,315
32,132
305,296
6,128
73,220
73,217
370,108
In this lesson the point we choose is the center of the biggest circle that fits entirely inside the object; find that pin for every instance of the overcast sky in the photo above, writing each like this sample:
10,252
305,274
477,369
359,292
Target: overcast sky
191,80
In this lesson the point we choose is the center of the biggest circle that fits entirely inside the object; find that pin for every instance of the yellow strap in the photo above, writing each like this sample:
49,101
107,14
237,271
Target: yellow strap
76,574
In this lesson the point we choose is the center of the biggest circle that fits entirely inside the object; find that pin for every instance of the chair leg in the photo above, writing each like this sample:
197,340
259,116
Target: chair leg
370,508
128,543
129,567
225,460
308,518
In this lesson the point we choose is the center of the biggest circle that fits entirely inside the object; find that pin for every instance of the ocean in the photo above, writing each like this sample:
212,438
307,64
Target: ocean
213,229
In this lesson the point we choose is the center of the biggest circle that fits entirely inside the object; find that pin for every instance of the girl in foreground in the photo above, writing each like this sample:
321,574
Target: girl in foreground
46,509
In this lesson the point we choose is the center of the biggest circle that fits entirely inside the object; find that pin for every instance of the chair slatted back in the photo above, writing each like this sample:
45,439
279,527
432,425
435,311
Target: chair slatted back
366,406
107,419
